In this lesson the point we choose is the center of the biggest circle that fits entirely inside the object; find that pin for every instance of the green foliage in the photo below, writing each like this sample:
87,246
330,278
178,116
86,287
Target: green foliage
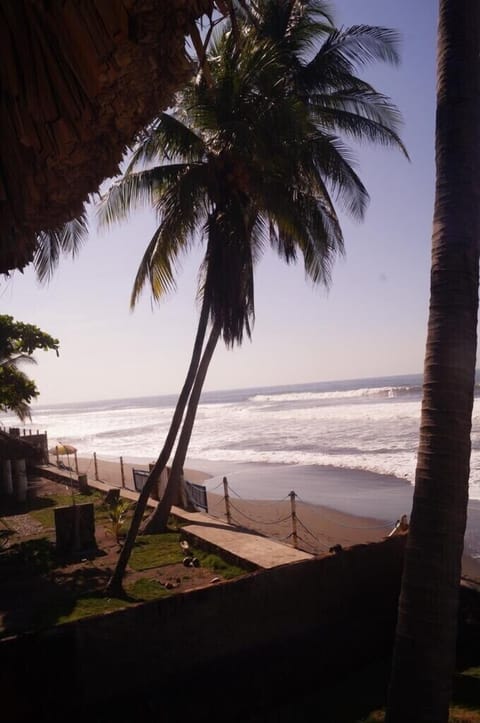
18,341
117,513
19,338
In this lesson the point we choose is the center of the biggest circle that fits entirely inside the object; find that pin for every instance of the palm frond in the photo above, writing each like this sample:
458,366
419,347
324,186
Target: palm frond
167,139
295,23
181,208
137,190
353,123
51,244
227,271
357,46
329,162
307,223
21,409
156,267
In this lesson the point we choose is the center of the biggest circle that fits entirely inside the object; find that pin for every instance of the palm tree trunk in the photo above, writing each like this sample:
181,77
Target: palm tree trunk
114,586
159,519
424,653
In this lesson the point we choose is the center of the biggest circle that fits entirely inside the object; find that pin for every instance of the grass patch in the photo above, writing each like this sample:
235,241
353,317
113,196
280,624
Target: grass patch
44,506
156,551
164,549
92,604
176,523
458,714
145,589
64,606
218,564
142,590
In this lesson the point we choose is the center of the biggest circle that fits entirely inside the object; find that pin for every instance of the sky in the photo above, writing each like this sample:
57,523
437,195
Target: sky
370,322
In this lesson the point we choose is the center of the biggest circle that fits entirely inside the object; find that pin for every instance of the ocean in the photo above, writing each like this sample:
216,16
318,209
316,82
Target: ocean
348,444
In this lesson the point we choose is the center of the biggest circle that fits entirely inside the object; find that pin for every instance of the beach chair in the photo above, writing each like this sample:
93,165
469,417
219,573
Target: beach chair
62,465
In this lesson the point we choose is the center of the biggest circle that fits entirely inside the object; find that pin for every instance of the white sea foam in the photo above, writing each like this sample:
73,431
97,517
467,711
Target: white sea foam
369,425
390,392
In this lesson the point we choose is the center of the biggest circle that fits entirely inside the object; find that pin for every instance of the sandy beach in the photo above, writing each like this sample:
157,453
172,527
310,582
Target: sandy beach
319,527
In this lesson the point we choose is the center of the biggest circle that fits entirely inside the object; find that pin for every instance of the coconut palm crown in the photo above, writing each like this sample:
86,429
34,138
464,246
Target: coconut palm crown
257,156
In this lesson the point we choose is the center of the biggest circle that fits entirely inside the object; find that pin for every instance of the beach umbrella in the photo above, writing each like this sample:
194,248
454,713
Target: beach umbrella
65,449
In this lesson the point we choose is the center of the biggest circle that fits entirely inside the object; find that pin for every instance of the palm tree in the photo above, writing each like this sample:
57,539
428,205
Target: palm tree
424,654
242,161
337,99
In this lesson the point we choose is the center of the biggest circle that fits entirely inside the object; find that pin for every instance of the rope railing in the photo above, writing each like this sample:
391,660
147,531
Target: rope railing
103,471
296,521
309,532
262,522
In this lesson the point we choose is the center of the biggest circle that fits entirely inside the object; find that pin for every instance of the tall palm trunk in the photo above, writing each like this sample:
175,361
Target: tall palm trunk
114,586
424,655
159,519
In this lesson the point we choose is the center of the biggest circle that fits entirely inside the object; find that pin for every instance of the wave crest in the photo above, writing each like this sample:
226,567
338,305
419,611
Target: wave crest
381,392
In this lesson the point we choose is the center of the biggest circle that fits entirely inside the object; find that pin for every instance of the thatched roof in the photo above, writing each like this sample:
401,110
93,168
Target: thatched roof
78,79
15,447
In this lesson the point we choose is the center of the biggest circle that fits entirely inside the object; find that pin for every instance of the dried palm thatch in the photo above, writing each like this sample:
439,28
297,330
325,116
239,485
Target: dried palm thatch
78,79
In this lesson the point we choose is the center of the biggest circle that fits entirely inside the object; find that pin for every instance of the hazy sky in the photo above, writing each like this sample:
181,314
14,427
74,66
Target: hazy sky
371,322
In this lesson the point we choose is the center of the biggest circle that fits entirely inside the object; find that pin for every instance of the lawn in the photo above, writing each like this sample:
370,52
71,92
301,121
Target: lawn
39,589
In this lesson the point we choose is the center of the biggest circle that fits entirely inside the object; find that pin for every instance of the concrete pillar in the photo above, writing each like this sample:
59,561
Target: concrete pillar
20,479
7,483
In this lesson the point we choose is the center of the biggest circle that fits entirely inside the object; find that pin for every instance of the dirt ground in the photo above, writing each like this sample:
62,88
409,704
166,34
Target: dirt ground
23,591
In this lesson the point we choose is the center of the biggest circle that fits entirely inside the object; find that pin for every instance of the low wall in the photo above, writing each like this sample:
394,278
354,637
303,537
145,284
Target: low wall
333,612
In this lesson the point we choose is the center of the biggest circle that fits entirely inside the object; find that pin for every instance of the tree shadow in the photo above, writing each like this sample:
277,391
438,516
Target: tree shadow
38,587
10,507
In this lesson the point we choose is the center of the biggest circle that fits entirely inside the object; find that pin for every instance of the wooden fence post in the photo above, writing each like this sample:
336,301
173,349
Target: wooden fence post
122,472
292,496
95,463
227,501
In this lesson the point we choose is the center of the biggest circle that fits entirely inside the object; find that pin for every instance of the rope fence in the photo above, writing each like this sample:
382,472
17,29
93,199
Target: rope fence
241,518
118,474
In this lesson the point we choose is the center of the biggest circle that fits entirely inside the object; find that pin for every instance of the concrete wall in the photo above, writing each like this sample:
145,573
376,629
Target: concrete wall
337,611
